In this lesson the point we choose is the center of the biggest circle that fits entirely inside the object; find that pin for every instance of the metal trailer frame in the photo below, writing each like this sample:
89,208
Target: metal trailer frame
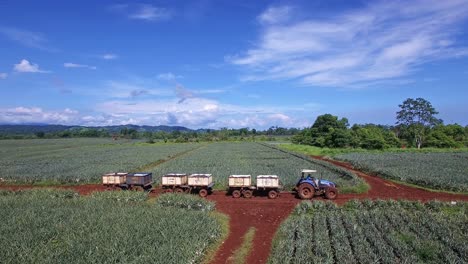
238,191
201,190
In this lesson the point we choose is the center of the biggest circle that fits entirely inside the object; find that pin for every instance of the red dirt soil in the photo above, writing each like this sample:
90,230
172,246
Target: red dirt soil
260,212
266,215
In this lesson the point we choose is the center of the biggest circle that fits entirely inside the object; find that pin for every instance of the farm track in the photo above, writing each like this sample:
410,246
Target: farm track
153,164
385,189
266,215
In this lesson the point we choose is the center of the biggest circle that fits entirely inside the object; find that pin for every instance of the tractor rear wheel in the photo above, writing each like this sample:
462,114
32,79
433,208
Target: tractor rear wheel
203,192
236,194
331,193
248,194
178,190
306,191
272,194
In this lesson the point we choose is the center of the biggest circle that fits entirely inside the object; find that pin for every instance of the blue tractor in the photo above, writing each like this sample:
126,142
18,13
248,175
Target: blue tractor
309,186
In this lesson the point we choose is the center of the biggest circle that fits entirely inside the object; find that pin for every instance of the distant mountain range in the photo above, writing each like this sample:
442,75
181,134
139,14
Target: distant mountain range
26,129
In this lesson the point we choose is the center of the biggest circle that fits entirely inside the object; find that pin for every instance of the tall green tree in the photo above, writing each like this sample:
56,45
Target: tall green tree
417,116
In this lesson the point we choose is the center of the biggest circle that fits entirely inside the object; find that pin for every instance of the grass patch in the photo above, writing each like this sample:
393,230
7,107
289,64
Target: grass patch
240,255
362,187
331,152
223,221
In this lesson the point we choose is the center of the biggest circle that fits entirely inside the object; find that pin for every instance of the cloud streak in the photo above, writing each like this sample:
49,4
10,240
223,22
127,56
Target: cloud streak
168,76
109,56
144,12
75,65
382,41
27,38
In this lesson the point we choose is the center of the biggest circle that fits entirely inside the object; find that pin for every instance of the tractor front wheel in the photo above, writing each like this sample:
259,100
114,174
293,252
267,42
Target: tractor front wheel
331,193
306,191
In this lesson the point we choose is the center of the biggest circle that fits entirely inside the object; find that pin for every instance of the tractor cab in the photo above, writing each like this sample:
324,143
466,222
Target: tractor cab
307,175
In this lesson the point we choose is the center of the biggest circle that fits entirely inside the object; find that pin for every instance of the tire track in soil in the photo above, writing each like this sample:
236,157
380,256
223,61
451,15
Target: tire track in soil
161,161
266,214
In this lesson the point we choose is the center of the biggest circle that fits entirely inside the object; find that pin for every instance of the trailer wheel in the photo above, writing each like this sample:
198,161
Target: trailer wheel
203,192
331,193
168,190
148,188
273,194
178,190
236,194
248,194
306,191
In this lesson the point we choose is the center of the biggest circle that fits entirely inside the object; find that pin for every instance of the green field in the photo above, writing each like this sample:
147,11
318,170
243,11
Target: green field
52,161
373,232
224,159
78,160
443,171
45,226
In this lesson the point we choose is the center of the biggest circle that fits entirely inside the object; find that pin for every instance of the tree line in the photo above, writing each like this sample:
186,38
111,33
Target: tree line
416,126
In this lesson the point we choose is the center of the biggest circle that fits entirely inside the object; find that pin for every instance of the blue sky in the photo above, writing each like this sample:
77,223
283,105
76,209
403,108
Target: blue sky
212,64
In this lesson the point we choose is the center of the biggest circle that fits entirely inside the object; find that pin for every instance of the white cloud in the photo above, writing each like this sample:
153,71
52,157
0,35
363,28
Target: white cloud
26,66
74,65
275,14
382,41
193,113
196,112
168,76
3,75
20,115
109,56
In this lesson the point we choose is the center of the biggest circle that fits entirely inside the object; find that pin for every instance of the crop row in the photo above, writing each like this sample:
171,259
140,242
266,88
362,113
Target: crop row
111,227
77,160
444,171
373,232
224,159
